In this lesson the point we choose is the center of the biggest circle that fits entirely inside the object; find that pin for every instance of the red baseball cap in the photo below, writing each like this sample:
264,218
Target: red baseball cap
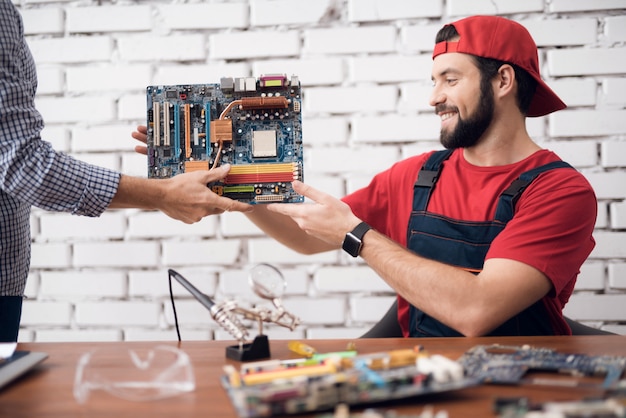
505,40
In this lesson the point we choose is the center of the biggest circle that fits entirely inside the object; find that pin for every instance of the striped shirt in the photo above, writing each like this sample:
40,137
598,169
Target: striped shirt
32,173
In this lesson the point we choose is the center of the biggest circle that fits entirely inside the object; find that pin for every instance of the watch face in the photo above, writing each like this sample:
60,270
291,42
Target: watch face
352,245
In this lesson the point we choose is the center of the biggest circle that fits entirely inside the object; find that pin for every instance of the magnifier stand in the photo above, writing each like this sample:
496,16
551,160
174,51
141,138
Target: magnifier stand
258,349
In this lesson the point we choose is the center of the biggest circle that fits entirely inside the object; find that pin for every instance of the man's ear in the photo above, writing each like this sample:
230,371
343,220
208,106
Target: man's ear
505,81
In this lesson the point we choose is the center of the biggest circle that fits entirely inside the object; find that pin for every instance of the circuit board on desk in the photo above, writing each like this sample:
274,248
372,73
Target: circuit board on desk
253,124
275,388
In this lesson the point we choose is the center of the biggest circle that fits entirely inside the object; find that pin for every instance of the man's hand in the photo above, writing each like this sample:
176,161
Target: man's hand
327,218
141,135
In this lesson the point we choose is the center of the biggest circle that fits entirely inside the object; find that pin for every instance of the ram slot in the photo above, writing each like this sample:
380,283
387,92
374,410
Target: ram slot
156,114
187,130
177,131
166,124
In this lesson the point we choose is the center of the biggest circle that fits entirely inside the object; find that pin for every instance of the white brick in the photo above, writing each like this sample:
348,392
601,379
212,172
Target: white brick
355,160
349,279
610,185
234,224
168,74
349,40
414,97
132,107
310,71
576,91
43,20
376,10
76,109
613,91
579,153
117,18
117,313
102,138
26,336
82,284
156,224
496,7
64,226
602,220
173,47
395,128
351,99
613,154
134,164
536,127
288,12
116,254
45,313
155,283
188,253
71,50
270,251
204,16
419,38
324,131
32,285
562,32
588,123
50,255
596,307
369,309
585,5
58,136
586,61
615,28
254,44
74,335
326,333
591,276
108,78
616,329
390,68
50,80
617,275
617,212
417,148
609,245
317,311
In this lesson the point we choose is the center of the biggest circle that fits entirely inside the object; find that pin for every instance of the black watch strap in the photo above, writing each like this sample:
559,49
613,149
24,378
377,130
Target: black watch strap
353,242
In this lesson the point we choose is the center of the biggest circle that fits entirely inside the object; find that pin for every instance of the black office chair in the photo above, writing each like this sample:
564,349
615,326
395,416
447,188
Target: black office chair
388,326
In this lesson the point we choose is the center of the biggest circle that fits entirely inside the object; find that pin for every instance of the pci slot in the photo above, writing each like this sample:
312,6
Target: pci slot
207,130
156,114
166,124
262,173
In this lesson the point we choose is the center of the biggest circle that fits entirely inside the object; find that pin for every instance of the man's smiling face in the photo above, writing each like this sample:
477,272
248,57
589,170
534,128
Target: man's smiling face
463,101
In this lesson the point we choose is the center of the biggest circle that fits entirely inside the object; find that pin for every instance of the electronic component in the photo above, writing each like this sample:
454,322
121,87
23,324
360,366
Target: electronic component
509,364
253,124
319,383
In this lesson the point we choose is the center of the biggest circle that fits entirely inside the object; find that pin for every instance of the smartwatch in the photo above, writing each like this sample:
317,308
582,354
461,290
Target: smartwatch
353,242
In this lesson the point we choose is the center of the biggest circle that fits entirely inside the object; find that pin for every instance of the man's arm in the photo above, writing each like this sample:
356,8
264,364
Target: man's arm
185,197
471,304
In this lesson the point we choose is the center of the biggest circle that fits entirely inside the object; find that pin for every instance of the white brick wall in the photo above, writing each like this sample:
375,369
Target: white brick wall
365,69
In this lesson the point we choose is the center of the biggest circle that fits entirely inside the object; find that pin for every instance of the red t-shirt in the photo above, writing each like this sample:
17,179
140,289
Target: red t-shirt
551,229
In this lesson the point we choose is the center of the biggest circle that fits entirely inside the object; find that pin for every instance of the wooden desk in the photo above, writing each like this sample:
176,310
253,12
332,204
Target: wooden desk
47,391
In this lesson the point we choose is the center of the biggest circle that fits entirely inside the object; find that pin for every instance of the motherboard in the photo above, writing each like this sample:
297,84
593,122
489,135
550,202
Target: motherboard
253,124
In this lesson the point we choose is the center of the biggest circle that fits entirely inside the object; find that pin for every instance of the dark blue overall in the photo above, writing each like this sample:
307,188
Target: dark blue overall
465,244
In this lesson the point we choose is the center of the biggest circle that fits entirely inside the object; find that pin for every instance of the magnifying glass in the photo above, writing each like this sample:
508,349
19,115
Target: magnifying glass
267,281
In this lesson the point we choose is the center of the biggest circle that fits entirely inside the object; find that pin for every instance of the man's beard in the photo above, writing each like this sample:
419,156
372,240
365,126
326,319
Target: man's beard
467,132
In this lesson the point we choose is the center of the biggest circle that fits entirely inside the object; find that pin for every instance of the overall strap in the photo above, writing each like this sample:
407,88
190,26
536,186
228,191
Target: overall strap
508,198
427,177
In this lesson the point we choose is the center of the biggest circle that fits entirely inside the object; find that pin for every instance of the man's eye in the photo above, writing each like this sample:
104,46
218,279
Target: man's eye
451,80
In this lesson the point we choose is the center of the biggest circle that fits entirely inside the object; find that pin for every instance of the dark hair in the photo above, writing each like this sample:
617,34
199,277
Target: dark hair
488,67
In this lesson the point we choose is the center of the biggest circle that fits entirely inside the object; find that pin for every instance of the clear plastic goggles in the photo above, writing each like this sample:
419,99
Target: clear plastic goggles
136,375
